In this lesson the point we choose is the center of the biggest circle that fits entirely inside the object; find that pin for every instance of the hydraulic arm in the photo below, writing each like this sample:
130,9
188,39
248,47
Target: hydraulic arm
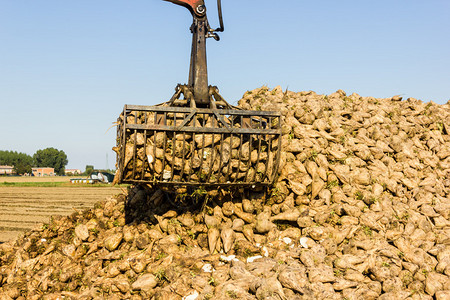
198,73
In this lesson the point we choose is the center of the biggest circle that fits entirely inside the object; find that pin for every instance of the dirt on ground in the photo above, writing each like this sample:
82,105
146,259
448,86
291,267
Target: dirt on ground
23,179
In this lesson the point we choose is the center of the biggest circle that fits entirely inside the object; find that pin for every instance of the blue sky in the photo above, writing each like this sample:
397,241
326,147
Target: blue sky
68,67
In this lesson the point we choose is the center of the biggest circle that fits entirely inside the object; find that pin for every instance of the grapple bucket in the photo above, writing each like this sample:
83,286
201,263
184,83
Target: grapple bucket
182,146
198,140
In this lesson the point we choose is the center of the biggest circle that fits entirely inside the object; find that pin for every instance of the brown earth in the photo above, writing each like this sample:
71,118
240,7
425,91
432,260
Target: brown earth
36,179
24,207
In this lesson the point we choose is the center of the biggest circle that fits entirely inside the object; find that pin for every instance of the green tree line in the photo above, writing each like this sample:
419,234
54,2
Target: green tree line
22,162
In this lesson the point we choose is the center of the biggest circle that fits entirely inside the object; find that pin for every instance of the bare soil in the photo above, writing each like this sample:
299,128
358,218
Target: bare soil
22,208
36,179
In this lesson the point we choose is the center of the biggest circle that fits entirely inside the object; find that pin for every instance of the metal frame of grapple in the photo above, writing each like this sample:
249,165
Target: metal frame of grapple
261,129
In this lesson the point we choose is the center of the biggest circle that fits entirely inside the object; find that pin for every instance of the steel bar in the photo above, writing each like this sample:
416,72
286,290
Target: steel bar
231,112
164,149
145,150
182,183
249,157
203,129
240,157
154,146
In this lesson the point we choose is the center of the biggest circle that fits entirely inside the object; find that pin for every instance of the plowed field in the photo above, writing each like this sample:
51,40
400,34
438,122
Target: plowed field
21,208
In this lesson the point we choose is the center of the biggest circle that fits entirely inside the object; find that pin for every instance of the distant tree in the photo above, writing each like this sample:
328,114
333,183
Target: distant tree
23,166
21,162
89,170
52,158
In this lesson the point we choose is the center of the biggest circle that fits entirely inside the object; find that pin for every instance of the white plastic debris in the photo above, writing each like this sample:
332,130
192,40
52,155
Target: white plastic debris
228,258
150,159
43,240
253,258
287,240
167,174
194,295
207,268
206,153
304,242
265,252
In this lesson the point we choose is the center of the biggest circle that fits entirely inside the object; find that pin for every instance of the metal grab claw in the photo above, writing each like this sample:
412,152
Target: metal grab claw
216,100
197,138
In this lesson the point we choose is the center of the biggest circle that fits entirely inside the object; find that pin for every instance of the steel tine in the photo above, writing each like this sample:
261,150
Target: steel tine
161,177
134,149
173,147
183,159
222,141
203,151
154,148
267,160
268,139
258,153
278,154
213,149
231,151
124,136
144,159
249,156
240,153
119,138
191,169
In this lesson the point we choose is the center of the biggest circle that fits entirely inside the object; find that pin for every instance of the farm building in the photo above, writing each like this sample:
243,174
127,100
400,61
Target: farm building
6,170
72,171
39,172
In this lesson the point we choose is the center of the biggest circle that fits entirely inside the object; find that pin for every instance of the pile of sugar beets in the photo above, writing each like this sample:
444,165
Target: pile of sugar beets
360,210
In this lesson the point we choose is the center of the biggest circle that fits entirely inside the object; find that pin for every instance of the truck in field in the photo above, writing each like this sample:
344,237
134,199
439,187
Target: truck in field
97,176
